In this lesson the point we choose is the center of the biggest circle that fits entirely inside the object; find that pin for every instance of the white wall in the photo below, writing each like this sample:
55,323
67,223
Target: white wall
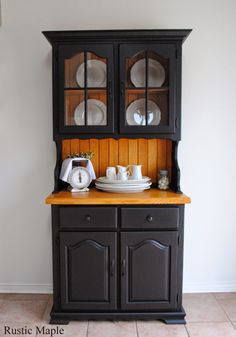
206,154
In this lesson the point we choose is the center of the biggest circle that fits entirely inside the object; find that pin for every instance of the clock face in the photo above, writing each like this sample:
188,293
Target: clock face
80,178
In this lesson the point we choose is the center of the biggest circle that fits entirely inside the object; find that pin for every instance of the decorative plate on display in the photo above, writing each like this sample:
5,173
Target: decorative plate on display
96,113
156,73
79,179
123,188
96,74
105,180
135,113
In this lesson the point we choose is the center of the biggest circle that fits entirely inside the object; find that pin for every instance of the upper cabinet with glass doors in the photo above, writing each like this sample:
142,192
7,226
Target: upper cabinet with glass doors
117,83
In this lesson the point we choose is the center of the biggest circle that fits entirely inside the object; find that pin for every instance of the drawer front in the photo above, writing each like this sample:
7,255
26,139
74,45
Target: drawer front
87,217
151,217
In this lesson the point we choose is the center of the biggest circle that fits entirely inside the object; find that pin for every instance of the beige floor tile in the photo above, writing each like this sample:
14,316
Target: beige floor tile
73,329
203,308
27,297
46,315
112,329
216,329
11,329
2,296
229,306
22,311
224,296
157,329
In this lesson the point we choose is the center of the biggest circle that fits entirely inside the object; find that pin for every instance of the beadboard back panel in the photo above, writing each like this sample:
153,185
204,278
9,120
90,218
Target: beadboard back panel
153,154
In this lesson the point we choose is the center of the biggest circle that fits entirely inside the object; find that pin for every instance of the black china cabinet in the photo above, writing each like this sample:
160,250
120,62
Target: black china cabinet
118,256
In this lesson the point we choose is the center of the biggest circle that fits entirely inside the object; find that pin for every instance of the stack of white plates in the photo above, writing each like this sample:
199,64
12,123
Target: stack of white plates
123,186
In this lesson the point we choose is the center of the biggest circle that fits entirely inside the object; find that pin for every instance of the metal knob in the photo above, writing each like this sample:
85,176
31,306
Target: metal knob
149,218
88,217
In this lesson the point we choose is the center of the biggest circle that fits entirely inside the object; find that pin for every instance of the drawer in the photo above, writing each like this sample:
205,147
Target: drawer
87,217
151,217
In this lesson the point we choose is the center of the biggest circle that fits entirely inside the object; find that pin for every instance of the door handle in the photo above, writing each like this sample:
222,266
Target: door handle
123,265
112,267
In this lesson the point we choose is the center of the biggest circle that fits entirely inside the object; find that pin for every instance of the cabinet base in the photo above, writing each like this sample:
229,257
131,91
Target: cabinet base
175,317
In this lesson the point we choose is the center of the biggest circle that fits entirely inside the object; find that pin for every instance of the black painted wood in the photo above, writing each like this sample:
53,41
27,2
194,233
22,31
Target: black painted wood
87,217
169,317
119,262
150,218
149,270
90,276
88,271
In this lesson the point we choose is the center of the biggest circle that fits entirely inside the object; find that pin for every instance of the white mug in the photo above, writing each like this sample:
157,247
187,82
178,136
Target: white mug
111,173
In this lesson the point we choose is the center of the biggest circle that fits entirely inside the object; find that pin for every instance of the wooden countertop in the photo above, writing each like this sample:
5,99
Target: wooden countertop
96,197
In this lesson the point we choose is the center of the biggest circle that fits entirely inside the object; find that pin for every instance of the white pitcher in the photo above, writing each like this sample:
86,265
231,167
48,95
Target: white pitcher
136,172
122,174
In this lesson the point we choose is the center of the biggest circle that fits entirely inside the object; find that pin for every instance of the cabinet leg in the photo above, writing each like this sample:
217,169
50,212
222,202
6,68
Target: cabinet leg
174,320
57,321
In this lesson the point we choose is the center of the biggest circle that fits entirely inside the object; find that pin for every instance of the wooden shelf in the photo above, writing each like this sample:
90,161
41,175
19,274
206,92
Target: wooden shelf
96,197
150,89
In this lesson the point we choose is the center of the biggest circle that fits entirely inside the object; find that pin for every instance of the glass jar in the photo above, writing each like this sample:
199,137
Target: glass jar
163,182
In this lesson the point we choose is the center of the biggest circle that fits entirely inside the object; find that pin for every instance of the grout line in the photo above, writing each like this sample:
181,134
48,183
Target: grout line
220,305
186,329
136,324
87,329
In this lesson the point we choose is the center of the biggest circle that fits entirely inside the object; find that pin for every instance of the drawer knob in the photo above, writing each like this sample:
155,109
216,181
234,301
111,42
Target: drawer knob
149,218
88,217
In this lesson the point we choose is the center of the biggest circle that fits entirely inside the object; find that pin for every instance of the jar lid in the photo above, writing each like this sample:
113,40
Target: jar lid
163,172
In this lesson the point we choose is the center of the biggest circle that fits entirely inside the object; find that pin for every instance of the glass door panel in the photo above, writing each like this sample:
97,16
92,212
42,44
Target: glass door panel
74,113
135,71
135,107
96,107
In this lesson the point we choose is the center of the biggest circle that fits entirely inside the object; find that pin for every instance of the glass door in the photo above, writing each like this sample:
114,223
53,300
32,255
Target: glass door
86,88
147,100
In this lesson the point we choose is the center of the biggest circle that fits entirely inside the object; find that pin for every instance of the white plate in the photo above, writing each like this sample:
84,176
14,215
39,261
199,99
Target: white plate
135,113
96,113
96,74
156,73
130,181
122,191
123,187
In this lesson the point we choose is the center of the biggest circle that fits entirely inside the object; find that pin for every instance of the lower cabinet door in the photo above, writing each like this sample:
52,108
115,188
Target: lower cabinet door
148,270
88,270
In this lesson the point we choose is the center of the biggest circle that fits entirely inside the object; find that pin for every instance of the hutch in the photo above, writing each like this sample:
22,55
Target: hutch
118,256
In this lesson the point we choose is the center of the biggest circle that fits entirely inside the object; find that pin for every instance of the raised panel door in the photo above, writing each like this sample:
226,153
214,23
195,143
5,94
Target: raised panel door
148,270
88,272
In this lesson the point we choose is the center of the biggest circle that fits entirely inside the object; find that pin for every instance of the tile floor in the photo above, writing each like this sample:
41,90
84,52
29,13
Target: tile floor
208,315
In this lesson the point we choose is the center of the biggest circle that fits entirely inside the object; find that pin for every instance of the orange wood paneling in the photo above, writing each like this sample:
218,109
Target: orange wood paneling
153,154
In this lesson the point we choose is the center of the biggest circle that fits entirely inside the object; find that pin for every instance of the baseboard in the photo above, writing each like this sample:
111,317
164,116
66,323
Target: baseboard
47,288
26,288
209,287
